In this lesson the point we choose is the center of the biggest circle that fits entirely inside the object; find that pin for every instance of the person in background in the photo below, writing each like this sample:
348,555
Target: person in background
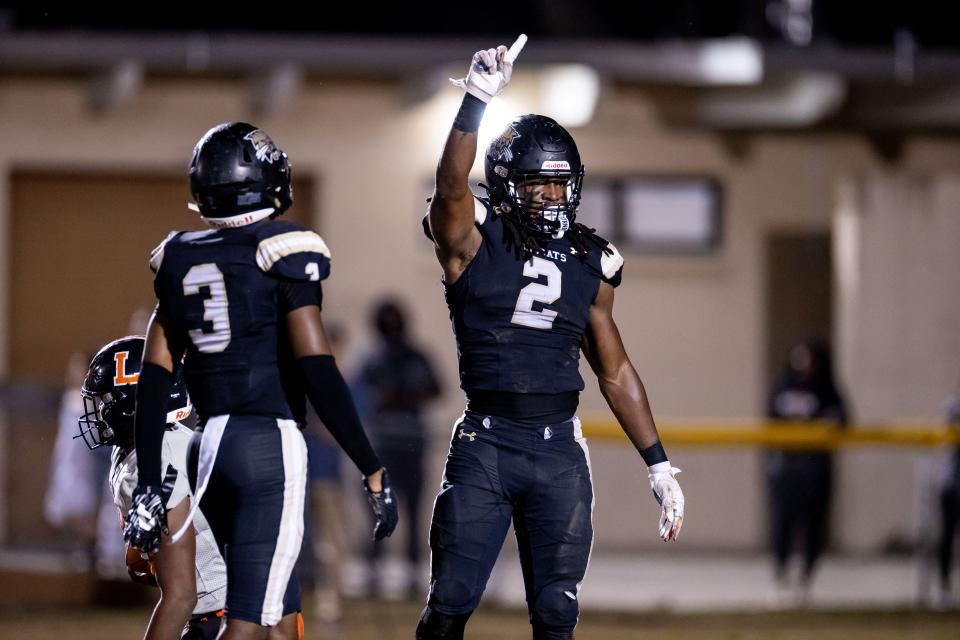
949,514
395,382
800,483
77,483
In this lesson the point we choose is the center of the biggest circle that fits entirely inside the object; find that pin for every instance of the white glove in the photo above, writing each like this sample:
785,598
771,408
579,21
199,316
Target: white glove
666,490
490,70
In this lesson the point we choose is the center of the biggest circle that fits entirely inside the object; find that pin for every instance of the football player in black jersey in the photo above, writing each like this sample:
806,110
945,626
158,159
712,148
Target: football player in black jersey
528,288
229,300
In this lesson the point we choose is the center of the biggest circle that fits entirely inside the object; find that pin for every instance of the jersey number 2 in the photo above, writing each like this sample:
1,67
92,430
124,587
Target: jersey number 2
215,308
524,313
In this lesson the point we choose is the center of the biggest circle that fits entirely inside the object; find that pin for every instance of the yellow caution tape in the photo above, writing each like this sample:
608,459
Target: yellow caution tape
789,435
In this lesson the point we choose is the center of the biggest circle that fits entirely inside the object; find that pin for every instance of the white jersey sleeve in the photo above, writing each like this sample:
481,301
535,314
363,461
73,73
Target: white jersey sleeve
211,570
123,470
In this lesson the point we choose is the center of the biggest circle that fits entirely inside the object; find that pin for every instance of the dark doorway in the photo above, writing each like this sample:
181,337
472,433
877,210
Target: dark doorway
799,292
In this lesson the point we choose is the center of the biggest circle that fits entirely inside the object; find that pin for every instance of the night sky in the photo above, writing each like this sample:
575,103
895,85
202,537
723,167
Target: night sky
835,21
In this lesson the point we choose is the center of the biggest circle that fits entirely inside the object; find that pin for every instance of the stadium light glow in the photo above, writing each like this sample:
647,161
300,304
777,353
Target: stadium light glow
730,61
569,93
498,115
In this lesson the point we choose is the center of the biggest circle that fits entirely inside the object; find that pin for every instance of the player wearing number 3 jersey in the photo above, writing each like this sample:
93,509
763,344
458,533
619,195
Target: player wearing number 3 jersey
528,289
231,301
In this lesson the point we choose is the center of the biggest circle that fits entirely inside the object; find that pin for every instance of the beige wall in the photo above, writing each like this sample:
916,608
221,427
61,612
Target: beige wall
694,325
899,328
900,280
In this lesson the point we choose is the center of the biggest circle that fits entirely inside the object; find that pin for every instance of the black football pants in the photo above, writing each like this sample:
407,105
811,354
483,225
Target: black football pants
538,476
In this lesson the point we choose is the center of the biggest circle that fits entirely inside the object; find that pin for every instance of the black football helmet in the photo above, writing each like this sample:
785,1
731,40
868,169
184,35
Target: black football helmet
534,147
110,395
238,176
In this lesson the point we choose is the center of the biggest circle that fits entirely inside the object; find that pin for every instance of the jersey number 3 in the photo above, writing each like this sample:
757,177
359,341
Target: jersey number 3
215,308
524,313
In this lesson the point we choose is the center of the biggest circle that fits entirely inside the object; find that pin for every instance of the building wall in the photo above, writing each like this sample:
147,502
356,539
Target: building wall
693,325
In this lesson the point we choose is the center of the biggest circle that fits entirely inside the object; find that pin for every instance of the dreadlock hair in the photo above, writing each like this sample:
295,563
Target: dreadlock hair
525,243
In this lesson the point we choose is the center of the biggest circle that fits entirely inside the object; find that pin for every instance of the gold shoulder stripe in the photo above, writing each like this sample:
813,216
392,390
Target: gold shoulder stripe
156,256
271,250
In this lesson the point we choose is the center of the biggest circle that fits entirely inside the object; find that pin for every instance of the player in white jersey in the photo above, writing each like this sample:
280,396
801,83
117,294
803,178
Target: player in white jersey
211,573
191,573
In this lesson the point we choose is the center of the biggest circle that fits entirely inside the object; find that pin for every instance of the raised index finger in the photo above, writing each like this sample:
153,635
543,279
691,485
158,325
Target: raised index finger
516,48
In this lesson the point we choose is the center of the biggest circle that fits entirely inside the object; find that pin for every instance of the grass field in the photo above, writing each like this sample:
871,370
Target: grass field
392,620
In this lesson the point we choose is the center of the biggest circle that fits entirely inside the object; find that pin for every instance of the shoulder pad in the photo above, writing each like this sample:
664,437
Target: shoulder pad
274,227
156,256
480,214
290,251
480,211
611,264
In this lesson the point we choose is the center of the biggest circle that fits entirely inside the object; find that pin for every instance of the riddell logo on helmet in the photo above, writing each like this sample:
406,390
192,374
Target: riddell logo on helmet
555,165
230,223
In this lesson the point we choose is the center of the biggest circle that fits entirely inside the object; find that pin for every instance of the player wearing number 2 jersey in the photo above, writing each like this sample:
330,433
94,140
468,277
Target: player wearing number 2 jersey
231,299
528,288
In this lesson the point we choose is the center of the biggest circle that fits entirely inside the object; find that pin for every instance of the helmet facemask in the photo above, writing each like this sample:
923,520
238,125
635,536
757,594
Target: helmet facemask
105,419
543,216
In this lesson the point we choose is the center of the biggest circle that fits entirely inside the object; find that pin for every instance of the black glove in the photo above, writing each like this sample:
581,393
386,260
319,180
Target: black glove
147,518
384,505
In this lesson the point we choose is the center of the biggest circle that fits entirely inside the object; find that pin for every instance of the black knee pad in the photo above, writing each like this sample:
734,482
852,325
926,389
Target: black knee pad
555,609
544,632
440,626
453,593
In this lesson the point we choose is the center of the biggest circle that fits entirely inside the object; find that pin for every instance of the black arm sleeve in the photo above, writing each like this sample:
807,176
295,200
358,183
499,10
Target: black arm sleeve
331,399
294,295
153,392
